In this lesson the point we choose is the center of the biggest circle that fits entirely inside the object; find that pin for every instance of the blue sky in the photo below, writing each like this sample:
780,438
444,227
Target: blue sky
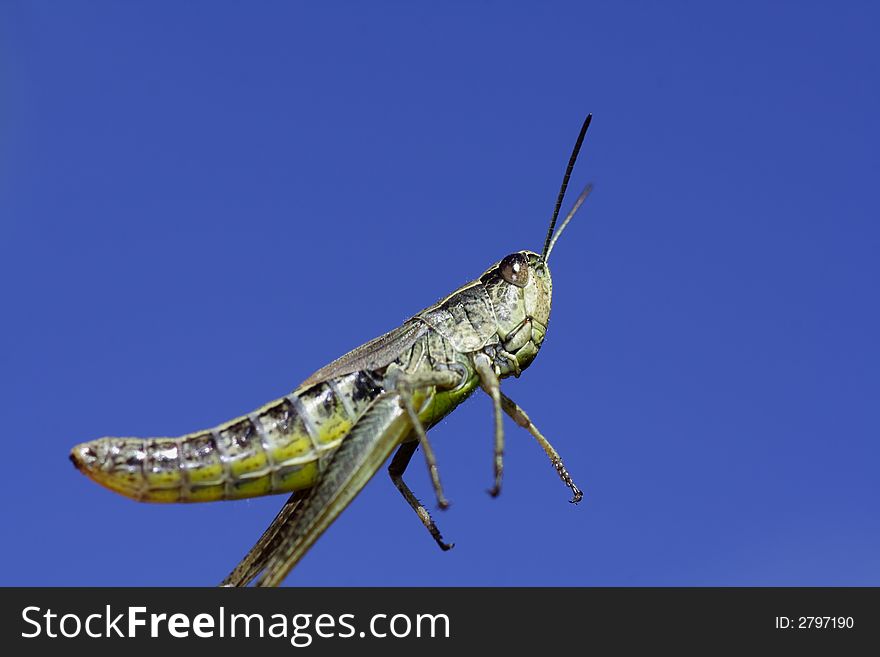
202,203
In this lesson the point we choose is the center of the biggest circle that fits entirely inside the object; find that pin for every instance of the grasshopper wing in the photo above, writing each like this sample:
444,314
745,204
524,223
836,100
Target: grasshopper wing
373,355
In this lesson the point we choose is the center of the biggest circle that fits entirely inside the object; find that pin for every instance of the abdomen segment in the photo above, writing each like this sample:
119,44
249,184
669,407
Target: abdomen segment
278,448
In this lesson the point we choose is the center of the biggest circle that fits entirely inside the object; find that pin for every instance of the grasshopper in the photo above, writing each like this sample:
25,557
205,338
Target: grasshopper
327,438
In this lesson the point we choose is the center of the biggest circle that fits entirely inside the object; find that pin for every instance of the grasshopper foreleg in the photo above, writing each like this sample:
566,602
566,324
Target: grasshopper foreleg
405,384
519,416
489,383
395,471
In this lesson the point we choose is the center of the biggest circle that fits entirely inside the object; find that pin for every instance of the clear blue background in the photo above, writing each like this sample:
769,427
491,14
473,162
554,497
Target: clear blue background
202,203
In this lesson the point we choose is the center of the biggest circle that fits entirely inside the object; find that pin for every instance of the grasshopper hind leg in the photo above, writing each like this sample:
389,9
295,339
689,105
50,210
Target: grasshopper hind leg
255,560
395,471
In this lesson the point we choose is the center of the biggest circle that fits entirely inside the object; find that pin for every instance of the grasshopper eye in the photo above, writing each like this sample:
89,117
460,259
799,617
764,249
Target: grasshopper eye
515,269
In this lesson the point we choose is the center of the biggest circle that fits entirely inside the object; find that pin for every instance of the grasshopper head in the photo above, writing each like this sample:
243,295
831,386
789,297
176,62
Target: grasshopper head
520,286
520,289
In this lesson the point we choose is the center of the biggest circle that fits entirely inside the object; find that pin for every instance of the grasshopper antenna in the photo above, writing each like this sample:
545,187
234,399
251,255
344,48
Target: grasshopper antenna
577,206
561,196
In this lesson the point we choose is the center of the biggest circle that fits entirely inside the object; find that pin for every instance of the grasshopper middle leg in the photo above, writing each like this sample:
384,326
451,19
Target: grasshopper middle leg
405,385
395,471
